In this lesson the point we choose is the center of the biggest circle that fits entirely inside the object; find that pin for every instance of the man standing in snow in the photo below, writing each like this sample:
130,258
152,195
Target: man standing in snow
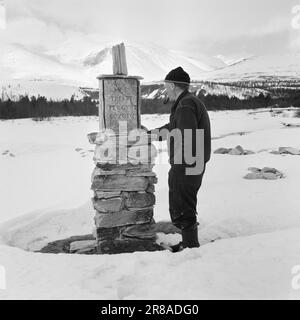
187,112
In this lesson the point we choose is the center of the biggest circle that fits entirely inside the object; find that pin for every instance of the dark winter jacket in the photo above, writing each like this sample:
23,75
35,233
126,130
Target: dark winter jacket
188,112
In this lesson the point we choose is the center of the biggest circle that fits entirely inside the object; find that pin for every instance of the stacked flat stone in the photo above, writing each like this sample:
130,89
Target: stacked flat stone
123,180
123,201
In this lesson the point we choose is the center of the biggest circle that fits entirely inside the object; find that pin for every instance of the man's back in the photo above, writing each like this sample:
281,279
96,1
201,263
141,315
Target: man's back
188,112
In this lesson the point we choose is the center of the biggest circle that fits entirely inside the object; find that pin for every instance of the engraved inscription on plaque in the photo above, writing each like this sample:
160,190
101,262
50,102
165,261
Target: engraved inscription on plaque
121,103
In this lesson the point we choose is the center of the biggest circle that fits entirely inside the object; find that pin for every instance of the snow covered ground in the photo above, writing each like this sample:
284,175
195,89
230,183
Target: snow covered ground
45,170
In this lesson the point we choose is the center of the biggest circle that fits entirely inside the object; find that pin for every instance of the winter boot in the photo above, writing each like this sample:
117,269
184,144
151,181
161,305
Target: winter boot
177,247
189,239
190,236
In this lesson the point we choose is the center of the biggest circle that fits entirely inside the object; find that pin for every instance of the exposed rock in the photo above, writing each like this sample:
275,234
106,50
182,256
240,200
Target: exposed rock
222,151
152,180
143,231
63,246
289,150
166,227
291,125
126,166
280,175
109,233
248,152
139,199
237,151
265,173
99,172
106,195
94,232
269,176
254,169
120,183
109,205
127,246
151,188
139,208
240,149
123,218
253,176
269,170
83,247
141,174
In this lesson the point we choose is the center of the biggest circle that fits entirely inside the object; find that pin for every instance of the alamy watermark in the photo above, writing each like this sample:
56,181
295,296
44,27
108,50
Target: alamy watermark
135,146
2,278
2,15
296,17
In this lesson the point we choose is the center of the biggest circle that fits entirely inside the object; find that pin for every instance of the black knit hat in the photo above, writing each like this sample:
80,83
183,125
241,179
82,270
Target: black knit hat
178,75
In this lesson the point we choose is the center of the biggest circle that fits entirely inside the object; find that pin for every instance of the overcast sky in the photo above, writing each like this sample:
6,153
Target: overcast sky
208,26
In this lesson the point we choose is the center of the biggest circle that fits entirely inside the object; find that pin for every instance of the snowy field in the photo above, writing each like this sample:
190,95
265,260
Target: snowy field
45,178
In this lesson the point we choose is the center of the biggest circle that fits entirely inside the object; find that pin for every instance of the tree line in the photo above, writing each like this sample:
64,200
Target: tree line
223,102
41,108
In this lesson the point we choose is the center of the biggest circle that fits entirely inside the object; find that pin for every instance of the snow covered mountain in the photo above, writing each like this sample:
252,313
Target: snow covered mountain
206,87
78,62
284,67
60,72
152,63
244,77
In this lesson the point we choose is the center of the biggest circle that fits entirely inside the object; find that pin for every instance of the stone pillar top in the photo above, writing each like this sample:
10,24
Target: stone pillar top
118,76
119,102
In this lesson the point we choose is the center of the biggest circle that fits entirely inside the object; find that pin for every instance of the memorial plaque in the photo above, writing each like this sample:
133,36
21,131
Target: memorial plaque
120,102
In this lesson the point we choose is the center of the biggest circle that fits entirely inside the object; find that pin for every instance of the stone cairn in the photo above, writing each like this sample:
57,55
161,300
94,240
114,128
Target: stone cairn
123,190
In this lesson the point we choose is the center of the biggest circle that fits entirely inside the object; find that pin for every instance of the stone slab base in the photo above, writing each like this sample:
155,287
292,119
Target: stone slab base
126,246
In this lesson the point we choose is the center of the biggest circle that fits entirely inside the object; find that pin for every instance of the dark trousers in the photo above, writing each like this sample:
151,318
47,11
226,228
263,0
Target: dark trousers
183,191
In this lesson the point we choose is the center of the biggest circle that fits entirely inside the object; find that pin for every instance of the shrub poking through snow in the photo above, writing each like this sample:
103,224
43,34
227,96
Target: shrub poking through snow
237,151
264,173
